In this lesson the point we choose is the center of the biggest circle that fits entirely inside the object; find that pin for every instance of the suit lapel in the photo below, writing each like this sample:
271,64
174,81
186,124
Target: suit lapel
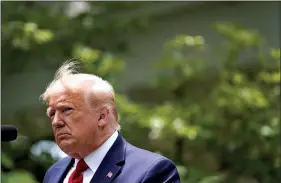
111,164
59,172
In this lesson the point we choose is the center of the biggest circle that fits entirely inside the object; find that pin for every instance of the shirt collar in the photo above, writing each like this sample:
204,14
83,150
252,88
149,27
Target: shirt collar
95,158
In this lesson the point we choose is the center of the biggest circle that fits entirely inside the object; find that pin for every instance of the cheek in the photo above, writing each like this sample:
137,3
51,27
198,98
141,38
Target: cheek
80,124
89,125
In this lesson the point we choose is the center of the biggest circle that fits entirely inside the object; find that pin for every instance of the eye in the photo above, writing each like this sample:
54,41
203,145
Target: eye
51,114
67,110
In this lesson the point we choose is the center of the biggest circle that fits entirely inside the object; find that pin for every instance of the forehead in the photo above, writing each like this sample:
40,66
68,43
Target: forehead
66,97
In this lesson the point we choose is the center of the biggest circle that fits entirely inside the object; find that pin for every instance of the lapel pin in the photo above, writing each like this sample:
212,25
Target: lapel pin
109,175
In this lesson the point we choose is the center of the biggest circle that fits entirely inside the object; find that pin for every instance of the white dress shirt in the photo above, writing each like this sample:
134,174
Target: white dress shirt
93,160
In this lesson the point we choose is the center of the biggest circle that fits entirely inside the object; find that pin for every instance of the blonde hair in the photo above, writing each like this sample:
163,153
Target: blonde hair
97,92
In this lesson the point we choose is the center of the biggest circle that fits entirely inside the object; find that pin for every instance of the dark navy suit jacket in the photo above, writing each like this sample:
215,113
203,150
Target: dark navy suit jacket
127,164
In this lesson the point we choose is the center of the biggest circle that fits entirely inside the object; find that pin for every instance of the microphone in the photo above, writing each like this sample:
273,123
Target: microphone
8,133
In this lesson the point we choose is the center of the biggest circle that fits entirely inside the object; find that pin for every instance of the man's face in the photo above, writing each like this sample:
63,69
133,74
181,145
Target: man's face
74,124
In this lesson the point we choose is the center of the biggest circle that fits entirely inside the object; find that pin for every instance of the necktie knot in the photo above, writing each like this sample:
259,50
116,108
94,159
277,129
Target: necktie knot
77,176
81,165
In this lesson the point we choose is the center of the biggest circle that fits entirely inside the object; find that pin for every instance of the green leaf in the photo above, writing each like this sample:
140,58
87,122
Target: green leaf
43,36
110,64
21,42
86,54
273,77
182,171
213,179
275,53
19,176
30,28
6,160
266,131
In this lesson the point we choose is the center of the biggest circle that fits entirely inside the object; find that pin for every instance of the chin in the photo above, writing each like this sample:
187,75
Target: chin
66,146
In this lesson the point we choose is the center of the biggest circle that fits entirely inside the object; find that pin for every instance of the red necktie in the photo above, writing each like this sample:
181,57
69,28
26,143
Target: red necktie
77,176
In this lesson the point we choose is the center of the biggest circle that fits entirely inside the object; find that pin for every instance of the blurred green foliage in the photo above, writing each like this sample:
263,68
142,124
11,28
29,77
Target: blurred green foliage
219,121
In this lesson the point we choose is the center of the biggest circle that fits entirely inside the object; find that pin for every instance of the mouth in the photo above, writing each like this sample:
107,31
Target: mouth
62,135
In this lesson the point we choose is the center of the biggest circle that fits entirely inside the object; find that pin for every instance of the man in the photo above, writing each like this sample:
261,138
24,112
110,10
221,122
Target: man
85,125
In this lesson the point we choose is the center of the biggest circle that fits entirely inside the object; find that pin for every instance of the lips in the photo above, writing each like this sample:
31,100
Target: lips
61,135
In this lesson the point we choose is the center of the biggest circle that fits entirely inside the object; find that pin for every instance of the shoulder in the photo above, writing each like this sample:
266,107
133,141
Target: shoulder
157,168
142,154
60,163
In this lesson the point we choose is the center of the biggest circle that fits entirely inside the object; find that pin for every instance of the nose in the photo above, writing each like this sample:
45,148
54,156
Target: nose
57,121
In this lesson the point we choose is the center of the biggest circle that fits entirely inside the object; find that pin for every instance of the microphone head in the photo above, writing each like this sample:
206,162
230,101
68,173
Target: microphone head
8,133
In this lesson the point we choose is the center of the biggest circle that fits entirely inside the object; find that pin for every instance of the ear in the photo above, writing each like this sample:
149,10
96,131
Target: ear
104,116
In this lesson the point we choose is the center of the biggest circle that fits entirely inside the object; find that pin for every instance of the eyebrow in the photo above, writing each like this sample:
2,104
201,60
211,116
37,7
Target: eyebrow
59,106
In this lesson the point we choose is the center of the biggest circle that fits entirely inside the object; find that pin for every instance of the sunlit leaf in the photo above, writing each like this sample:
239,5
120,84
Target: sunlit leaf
273,77
266,130
86,54
157,124
43,36
30,28
238,78
182,170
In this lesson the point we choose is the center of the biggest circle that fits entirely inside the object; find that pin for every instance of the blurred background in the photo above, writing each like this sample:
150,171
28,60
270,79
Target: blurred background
198,82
